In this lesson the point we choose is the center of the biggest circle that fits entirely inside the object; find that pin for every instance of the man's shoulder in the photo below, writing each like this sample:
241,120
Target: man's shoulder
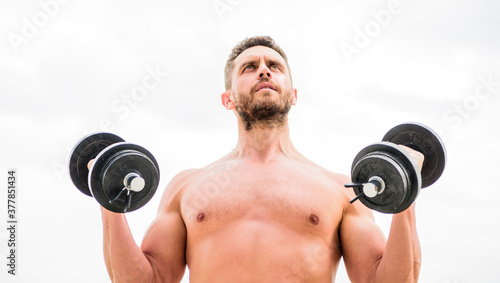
230,167
178,183
192,175
335,181
333,176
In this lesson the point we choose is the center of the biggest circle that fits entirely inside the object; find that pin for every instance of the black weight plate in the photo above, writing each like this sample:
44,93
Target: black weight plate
110,168
85,150
394,176
119,165
398,171
423,139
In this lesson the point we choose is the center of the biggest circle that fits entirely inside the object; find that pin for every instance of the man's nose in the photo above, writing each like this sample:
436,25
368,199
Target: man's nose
264,71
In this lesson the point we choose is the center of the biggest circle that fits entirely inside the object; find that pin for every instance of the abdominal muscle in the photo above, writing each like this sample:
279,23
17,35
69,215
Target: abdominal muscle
259,251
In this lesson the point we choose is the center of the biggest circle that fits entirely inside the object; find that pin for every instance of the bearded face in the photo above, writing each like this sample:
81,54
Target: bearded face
261,108
262,91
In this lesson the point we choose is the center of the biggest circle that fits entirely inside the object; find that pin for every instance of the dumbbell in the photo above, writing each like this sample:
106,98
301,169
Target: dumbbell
385,178
123,177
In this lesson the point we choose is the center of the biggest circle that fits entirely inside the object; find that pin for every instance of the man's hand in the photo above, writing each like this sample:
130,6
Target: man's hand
415,155
90,163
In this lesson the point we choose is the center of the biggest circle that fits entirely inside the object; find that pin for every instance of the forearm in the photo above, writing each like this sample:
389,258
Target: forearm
402,255
124,260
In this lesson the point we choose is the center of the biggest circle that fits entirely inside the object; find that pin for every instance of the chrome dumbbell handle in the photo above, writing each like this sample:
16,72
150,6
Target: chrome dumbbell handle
371,189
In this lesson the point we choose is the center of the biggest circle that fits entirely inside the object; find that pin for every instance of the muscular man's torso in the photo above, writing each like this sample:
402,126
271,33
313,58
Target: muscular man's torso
262,222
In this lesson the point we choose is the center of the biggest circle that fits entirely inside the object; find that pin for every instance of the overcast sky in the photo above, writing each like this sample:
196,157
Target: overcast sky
152,72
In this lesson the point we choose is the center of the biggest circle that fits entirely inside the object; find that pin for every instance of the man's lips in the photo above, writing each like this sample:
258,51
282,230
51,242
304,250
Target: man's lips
265,85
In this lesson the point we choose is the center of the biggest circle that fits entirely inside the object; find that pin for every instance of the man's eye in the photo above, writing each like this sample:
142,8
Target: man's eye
249,67
276,67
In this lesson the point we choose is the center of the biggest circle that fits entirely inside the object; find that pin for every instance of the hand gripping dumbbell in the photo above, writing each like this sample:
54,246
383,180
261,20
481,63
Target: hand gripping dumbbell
123,176
385,178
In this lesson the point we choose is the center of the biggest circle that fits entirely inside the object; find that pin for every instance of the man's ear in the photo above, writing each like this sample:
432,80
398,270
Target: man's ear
294,98
227,101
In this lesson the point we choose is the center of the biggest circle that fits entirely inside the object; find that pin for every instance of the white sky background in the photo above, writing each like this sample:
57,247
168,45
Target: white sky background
71,74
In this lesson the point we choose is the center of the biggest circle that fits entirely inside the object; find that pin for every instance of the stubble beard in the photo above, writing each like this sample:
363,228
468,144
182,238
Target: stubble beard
265,113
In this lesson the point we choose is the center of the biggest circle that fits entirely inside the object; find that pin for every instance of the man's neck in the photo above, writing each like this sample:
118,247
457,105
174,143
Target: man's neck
264,144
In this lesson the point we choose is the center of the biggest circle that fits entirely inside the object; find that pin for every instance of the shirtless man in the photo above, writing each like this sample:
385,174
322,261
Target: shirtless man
263,212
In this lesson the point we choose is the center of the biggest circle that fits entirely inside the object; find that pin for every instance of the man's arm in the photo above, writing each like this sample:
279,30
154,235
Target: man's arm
403,249
161,257
367,255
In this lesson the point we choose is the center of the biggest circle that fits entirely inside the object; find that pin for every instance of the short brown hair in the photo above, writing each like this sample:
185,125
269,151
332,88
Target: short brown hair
266,41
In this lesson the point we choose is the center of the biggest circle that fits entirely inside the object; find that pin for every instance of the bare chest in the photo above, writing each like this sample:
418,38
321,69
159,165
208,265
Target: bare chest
298,199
